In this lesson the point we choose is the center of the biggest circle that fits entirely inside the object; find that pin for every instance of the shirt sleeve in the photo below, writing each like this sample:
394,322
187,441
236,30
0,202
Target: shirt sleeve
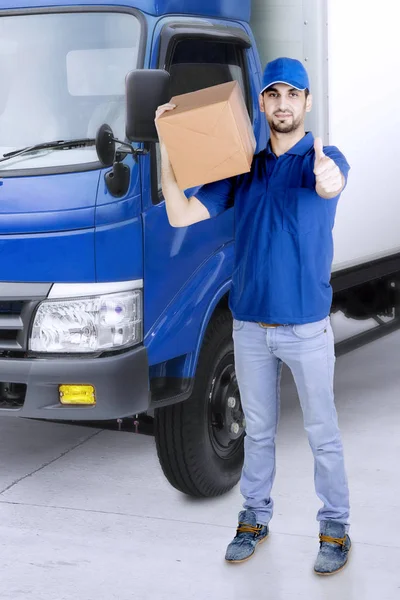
335,154
217,197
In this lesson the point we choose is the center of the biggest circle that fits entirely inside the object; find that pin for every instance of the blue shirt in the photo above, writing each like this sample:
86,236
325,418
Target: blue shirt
283,236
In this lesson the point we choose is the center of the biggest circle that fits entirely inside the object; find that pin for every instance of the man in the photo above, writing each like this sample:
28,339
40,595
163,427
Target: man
280,300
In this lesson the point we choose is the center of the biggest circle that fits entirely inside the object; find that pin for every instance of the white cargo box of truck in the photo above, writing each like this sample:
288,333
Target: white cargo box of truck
351,51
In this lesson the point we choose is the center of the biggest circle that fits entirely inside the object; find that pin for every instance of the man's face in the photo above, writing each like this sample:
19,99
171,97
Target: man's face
285,108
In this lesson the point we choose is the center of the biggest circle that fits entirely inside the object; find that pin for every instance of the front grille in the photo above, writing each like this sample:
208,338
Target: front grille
18,302
14,325
11,308
11,326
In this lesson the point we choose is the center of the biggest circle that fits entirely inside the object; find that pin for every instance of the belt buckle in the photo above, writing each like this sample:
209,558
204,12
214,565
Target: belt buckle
267,325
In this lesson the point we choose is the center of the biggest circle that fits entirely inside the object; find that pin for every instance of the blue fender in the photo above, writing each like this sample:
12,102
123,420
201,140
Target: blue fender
179,331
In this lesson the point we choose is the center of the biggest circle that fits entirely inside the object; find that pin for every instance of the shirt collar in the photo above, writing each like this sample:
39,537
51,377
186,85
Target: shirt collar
301,148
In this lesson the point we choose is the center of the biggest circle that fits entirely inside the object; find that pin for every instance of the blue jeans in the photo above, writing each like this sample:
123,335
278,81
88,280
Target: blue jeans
308,350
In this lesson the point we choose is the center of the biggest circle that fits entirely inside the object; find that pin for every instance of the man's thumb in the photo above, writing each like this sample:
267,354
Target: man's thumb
319,149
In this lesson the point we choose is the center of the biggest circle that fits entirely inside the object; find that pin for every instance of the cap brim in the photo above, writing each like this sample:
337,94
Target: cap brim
293,85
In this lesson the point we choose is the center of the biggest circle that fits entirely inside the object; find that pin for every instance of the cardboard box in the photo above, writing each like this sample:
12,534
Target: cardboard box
209,135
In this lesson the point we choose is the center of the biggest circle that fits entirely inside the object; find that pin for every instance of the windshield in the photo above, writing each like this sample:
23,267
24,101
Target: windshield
62,76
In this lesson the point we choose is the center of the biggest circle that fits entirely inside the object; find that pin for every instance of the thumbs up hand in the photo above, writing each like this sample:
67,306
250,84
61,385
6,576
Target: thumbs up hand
329,179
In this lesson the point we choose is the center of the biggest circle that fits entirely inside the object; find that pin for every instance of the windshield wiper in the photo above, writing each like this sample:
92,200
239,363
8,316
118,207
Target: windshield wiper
60,144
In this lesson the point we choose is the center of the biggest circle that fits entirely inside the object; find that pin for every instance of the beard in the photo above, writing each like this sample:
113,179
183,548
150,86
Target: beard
283,126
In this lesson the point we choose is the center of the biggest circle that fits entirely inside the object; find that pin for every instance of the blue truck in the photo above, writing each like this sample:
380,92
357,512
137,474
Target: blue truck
106,311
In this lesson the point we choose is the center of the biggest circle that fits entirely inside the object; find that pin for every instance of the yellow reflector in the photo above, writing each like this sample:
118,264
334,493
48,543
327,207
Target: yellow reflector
77,394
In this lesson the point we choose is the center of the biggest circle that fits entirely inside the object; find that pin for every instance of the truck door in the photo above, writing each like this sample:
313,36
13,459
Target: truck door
197,56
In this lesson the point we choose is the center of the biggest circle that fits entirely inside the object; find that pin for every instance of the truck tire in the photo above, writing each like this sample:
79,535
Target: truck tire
200,441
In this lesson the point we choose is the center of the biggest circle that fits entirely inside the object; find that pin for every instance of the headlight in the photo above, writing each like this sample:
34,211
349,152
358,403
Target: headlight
78,325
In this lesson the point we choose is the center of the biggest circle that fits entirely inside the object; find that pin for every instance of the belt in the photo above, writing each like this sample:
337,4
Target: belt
269,325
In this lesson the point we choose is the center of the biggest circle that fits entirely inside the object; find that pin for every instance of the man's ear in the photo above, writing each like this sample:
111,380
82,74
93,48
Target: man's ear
261,102
309,103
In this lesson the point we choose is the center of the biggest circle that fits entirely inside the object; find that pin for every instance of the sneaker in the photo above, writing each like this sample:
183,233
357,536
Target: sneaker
248,535
334,549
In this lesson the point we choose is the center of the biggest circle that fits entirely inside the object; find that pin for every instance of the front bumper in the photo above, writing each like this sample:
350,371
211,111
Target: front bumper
121,383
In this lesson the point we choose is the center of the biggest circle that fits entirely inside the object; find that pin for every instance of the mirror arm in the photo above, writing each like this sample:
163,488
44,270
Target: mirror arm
129,150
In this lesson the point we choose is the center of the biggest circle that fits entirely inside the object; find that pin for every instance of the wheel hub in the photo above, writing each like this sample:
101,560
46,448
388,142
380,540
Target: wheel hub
226,415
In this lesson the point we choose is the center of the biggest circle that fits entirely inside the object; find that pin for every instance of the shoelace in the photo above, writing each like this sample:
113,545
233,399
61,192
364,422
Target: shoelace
246,528
331,540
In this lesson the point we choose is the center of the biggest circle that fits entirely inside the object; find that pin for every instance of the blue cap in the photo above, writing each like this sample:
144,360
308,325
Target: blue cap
285,70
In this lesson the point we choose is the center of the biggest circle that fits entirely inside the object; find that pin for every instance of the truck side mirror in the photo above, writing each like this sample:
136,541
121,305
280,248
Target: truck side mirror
146,90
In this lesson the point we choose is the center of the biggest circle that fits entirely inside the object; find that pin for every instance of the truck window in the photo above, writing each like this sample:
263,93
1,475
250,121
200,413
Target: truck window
197,64
63,77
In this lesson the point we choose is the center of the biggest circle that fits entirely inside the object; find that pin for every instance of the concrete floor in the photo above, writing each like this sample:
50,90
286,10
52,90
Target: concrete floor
86,514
